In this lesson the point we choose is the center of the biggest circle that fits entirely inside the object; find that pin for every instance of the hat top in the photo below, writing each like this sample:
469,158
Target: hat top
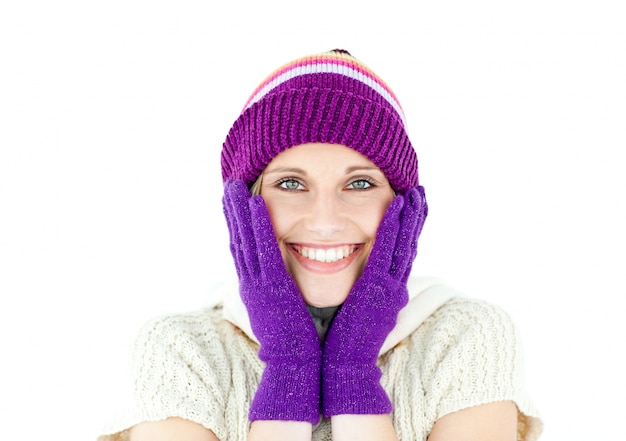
337,61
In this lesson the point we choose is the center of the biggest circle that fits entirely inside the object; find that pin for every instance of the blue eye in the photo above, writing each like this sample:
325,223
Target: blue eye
290,185
360,184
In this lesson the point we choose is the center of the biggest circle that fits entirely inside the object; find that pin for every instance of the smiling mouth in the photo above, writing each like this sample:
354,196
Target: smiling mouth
325,255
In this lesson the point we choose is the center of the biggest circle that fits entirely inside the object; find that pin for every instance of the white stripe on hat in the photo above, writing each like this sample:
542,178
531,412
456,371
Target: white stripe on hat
299,70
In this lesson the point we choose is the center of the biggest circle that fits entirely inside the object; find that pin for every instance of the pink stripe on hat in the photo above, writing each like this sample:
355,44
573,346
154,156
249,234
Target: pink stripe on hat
326,63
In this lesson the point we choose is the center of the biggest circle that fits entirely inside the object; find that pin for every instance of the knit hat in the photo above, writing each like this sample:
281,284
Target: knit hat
328,98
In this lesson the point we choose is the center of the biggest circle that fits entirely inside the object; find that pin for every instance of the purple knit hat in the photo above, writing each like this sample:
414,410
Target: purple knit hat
328,98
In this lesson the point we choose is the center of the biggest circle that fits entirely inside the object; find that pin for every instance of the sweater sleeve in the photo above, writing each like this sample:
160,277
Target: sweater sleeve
476,357
179,368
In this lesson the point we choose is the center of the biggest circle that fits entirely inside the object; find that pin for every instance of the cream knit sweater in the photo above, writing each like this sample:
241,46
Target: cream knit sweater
447,352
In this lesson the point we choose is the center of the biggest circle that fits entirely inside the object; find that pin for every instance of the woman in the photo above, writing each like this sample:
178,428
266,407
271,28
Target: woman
326,336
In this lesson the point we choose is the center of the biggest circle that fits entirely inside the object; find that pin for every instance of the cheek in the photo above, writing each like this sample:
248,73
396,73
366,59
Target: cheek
369,227
280,224
375,213
282,218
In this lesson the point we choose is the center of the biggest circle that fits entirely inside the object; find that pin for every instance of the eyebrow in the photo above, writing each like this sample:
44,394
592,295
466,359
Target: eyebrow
362,168
284,170
297,170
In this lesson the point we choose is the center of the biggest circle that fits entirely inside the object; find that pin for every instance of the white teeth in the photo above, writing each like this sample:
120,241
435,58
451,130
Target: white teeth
326,255
331,255
320,255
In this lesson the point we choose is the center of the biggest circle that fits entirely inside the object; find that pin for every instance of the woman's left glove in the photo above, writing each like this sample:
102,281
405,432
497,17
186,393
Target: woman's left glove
350,376
290,385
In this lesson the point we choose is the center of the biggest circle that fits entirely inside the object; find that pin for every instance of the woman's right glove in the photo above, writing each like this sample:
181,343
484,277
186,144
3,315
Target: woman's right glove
350,376
290,385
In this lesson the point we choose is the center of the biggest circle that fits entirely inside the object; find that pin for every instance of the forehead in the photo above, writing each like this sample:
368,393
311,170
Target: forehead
316,155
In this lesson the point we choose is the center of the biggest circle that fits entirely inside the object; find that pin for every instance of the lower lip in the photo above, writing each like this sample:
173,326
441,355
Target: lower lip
316,266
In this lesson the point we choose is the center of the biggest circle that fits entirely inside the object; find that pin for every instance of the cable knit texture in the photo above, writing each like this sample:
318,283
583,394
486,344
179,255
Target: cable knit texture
201,367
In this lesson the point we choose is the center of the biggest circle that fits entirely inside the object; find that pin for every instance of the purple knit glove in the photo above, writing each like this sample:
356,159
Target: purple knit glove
290,385
350,376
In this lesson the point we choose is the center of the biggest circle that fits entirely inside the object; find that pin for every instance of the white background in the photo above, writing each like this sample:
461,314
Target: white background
112,116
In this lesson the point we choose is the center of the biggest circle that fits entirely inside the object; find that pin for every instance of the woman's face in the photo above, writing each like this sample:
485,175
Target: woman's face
326,202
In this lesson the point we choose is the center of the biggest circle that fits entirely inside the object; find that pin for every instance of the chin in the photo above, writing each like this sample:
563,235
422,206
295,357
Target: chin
324,291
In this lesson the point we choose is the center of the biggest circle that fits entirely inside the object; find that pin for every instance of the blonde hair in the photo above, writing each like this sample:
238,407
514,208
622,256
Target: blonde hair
255,189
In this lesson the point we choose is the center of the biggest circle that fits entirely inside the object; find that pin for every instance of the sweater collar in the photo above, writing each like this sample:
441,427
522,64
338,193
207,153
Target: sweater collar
426,295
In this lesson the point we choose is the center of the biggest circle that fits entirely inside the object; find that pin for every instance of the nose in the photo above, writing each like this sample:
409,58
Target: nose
326,216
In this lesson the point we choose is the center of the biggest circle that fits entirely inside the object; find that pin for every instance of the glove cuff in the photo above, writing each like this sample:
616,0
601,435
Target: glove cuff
288,392
353,389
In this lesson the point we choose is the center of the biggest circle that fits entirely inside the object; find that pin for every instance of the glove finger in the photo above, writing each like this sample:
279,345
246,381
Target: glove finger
413,220
236,247
403,252
423,209
380,257
267,244
238,198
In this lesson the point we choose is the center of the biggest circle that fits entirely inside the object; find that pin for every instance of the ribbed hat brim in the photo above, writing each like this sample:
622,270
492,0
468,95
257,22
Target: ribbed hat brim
294,117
